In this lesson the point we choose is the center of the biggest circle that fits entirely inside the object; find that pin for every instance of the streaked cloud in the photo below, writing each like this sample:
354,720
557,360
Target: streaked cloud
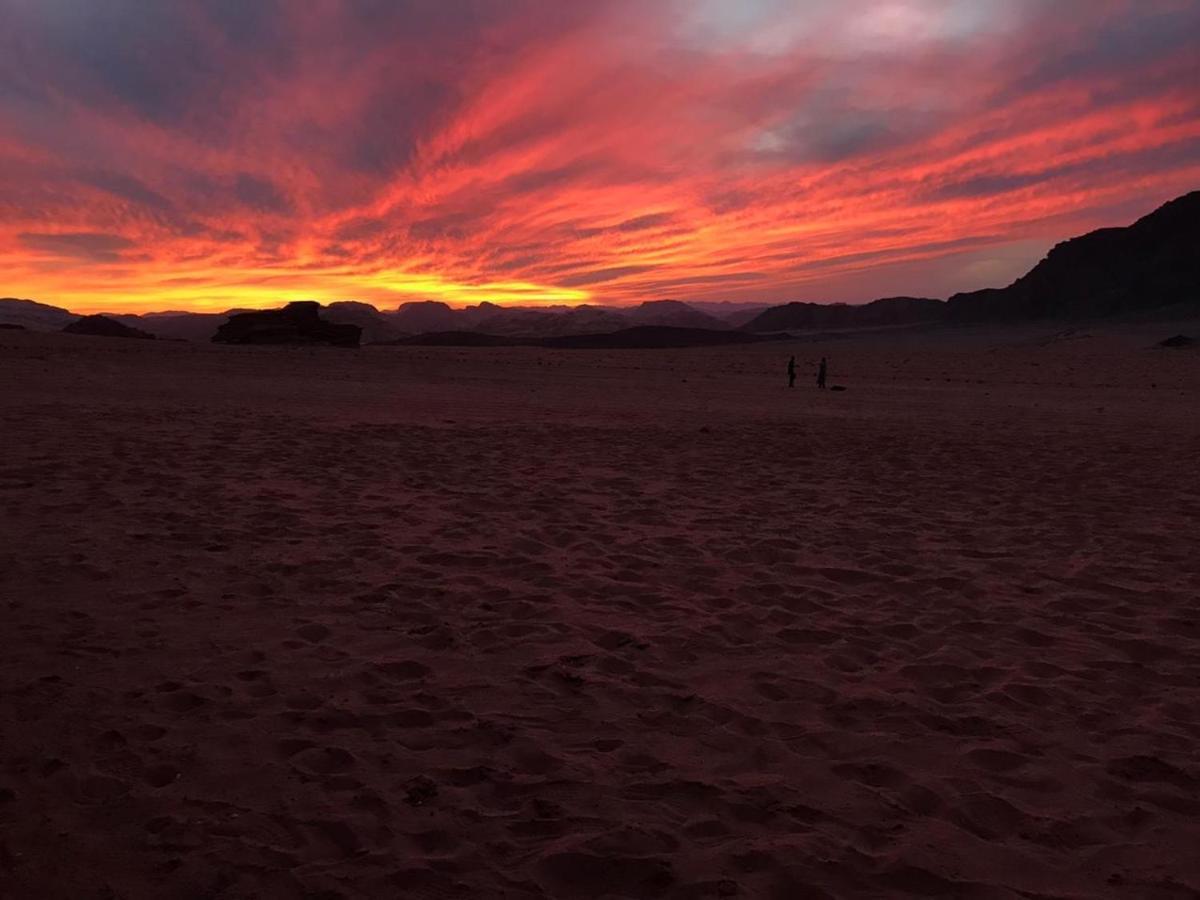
220,153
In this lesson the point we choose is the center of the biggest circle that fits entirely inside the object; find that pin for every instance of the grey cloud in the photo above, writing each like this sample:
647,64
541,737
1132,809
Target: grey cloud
83,245
598,276
127,188
450,225
1140,35
1168,156
641,223
261,194
360,228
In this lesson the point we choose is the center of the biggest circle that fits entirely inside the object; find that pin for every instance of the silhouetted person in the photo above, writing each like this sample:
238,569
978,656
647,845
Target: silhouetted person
821,371
792,372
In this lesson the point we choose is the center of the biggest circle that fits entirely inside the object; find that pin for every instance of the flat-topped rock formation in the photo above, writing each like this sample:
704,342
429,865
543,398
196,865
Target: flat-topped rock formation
296,323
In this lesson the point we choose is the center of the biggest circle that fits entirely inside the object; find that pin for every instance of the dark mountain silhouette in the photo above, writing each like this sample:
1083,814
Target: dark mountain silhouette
888,312
103,326
177,325
673,313
734,315
640,337
1143,268
1153,263
424,315
296,323
33,315
375,324
738,317
525,322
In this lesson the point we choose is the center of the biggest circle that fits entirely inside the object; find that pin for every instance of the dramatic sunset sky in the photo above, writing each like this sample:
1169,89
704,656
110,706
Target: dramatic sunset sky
215,153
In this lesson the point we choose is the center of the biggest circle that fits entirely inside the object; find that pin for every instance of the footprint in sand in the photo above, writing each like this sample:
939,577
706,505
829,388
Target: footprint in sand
403,670
160,776
324,760
313,632
996,760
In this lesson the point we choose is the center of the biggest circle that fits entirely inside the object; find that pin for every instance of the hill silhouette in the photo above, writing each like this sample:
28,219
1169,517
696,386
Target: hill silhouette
640,337
103,326
33,315
1149,265
673,313
1154,262
890,311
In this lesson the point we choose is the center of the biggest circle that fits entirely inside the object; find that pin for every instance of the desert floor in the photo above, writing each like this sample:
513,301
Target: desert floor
406,622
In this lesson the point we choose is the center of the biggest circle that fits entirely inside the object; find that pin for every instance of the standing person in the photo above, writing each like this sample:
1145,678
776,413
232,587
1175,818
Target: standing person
792,372
821,372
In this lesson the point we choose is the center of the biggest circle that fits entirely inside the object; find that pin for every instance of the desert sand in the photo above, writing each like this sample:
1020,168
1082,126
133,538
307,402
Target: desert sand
415,622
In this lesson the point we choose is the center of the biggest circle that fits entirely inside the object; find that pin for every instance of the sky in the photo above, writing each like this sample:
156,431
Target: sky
217,153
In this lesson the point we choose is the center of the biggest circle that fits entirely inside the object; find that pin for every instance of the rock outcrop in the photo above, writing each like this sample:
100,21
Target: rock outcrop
296,323
1153,263
1178,342
103,326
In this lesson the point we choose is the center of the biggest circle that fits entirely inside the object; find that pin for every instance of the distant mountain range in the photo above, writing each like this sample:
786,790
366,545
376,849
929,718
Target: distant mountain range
1151,264
889,312
637,337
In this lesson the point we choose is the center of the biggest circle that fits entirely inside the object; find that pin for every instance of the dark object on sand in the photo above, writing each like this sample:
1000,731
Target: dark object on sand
1178,340
296,323
103,326
11,326
420,790
837,387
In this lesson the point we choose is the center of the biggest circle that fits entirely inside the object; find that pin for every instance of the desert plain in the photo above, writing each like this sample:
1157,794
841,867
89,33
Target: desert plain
437,622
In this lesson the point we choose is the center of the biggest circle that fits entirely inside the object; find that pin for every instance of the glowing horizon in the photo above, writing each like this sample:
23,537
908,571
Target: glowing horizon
215,155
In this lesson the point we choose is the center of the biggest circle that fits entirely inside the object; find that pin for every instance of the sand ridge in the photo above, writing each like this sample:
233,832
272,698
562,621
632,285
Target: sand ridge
510,623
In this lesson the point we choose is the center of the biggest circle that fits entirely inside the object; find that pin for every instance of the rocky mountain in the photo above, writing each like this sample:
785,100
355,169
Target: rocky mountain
177,325
296,323
376,326
103,326
33,315
885,313
1152,263
425,315
733,314
639,337
673,314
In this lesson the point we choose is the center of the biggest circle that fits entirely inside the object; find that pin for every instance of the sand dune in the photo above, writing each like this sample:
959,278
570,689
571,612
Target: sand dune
438,622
